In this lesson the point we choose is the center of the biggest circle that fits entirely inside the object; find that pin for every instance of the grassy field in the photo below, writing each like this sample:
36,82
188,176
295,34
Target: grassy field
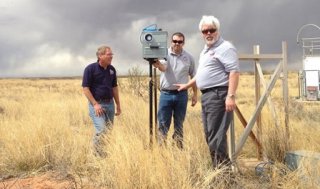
45,127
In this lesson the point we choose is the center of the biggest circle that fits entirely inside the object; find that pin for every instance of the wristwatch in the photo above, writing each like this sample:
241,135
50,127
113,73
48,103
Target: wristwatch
232,96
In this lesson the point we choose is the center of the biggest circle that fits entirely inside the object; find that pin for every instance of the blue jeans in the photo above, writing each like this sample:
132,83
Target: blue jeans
172,104
102,123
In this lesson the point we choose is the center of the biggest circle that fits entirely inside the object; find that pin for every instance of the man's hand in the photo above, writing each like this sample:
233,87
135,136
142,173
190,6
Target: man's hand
98,110
194,100
230,104
181,86
185,86
118,111
156,63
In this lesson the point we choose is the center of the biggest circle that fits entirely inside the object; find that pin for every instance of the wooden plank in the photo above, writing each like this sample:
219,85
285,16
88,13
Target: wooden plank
256,51
257,111
270,103
285,89
245,123
231,141
260,56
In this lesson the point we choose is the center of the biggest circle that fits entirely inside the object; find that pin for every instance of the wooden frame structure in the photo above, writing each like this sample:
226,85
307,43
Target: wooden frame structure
262,98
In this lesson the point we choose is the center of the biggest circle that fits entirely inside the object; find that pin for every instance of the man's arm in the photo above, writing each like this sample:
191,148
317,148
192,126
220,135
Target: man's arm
195,94
186,86
117,100
97,108
89,95
233,85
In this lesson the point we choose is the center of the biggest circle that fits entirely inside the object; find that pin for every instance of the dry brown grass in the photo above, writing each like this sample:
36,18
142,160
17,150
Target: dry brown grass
45,127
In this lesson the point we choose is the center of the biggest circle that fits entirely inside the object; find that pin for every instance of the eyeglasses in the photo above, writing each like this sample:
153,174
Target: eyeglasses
212,30
177,41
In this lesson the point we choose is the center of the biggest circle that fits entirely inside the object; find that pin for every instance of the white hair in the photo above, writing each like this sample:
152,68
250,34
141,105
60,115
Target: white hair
209,20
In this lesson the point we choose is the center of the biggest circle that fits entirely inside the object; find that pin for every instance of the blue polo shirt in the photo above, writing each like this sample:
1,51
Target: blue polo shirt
100,81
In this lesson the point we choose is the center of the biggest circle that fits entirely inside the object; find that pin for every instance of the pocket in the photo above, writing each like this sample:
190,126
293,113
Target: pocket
222,94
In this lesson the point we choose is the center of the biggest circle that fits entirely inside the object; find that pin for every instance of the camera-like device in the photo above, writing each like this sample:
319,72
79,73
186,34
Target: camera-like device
154,43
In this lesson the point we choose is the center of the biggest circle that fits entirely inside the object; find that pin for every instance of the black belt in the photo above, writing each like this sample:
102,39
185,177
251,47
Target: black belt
104,100
172,91
214,88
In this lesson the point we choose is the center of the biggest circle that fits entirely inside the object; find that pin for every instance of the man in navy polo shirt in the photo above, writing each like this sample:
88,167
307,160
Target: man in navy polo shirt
100,87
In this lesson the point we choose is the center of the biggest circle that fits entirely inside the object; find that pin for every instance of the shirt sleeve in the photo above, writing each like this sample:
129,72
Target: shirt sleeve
192,70
230,60
87,77
115,80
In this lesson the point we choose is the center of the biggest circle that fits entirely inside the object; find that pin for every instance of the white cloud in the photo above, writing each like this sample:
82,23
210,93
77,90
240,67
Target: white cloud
51,60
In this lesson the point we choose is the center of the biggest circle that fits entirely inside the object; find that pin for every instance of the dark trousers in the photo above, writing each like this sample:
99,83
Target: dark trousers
216,122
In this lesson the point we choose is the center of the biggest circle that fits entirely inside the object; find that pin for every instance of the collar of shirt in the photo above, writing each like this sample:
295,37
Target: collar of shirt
173,53
215,44
101,67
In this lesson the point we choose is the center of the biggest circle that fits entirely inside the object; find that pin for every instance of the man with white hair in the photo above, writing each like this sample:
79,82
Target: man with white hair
217,78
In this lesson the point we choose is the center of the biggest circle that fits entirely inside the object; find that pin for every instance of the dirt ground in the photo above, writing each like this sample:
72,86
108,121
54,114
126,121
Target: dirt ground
45,181
54,180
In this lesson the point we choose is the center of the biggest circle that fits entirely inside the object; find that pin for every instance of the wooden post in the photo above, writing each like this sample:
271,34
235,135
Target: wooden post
256,50
285,90
231,137
257,111
259,78
245,123
271,106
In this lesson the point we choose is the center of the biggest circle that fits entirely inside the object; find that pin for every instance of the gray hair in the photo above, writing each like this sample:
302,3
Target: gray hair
209,20
102,50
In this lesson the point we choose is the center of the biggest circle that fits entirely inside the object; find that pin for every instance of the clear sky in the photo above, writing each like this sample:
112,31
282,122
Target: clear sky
59,37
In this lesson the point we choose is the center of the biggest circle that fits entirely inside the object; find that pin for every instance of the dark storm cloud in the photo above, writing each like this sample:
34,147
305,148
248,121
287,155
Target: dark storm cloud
58,38
268,23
